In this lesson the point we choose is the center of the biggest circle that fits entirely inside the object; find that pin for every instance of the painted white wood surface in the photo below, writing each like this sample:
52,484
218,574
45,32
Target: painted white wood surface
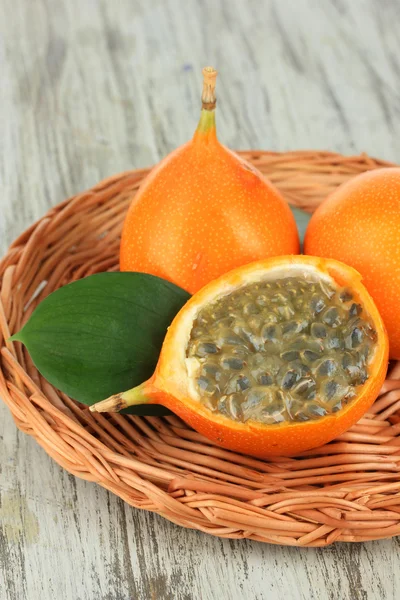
92,87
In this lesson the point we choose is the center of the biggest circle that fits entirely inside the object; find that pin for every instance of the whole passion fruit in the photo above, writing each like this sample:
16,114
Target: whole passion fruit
359,224
203,211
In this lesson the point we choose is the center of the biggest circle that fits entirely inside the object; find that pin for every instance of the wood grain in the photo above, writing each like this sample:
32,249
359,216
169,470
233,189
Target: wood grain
92,88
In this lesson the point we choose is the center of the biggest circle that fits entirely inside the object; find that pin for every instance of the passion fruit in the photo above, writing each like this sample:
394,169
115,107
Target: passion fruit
359,224
203,211
275,357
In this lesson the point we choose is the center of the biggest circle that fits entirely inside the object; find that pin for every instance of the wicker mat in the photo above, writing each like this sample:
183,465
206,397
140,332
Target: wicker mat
348,490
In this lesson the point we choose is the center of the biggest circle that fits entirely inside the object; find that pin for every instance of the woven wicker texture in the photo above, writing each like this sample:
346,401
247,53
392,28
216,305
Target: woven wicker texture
348,490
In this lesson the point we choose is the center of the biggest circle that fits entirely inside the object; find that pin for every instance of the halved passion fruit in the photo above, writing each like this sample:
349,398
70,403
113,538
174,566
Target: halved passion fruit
275,357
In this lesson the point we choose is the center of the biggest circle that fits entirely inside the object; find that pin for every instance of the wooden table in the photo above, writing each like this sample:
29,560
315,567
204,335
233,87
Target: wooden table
89,88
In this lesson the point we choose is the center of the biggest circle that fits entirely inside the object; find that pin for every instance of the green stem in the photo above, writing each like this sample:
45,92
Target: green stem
122,400
207,121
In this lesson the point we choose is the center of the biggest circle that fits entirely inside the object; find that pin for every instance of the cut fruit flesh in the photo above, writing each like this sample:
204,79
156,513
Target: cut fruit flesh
293,348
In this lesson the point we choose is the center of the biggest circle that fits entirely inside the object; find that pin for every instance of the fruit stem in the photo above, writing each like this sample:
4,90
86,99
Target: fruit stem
208,98
208,101
136,395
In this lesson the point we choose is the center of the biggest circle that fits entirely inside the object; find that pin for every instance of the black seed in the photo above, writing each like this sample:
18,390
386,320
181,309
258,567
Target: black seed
305,342
326,368
210,369
355,322
301,415
317,304
355,338
206,385
265,379
243,383
290,355
358,375
316,411
289,379
293,327
347,360
346,295
270,333
363,354
334,343
299,342
244,331
331,389
301,369
236,364
337,406
290,327
206,348
202,382
318,330
309,356
304,387
331,317
355,310
221,406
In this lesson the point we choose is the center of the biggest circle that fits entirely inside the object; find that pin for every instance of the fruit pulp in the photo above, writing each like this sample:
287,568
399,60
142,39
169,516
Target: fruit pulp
285,349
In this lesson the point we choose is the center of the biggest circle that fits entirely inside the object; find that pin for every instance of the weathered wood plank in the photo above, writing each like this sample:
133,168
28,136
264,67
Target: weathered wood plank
92,88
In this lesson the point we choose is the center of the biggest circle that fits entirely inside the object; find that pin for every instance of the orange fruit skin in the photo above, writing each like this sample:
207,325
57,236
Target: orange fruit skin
167,387
359,224
202,212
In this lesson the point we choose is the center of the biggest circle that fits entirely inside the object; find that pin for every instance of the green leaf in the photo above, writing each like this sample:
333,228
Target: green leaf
102,335
302,219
